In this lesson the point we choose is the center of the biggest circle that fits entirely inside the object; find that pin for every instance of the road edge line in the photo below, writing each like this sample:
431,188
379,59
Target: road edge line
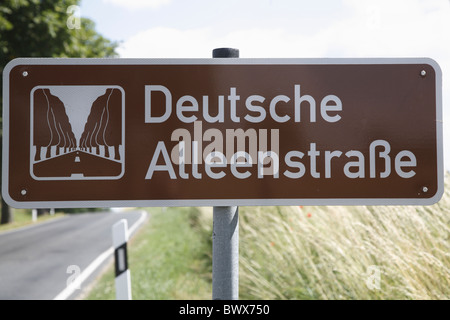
138,223
75,285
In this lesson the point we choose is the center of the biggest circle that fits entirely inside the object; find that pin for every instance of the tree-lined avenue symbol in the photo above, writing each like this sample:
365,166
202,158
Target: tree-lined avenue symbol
73,135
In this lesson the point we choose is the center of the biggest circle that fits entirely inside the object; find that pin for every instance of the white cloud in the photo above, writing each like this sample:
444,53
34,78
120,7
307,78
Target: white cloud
382,28
168,43
404,28
138,4
401,27
198,43
376,28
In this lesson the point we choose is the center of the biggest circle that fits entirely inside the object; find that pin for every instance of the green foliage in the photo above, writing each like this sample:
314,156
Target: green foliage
81,210
23,218
38,28
34,28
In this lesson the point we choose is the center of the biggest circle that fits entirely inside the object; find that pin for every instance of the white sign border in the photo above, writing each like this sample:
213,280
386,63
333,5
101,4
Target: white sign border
222,202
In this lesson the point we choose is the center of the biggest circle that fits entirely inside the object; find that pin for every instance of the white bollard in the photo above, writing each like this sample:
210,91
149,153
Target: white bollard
34,215
123,277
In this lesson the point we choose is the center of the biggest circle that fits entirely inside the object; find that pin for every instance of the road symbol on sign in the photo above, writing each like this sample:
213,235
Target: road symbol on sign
77,133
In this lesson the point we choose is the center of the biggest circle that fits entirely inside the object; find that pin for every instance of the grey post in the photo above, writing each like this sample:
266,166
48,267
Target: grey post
225,274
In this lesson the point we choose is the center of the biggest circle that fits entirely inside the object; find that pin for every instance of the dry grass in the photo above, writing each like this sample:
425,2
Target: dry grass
395,252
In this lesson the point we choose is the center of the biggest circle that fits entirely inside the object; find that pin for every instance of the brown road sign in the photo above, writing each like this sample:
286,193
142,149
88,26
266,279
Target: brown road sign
185,132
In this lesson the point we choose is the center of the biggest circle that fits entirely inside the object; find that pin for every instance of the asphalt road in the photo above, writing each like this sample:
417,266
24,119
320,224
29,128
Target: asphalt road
77,163
37,262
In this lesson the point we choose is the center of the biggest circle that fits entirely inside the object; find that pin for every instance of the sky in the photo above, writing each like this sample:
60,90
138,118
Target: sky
281,29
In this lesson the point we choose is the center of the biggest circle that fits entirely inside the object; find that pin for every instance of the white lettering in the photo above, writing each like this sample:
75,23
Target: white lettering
274,161
220,112
188,107
313,154
253,108
192,106
294,164
246,163
233,98
167,166
298,101
399,163
148,104
325,108
328,156
273,112
358,164
384,154
209,164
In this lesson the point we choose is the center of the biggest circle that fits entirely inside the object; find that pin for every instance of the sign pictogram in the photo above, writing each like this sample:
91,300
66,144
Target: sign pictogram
77,132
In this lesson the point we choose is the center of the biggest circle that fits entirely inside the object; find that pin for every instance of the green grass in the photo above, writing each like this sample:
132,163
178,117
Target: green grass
22,218
168,259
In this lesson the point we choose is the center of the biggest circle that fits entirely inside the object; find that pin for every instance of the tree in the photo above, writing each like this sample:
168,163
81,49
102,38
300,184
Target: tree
36,28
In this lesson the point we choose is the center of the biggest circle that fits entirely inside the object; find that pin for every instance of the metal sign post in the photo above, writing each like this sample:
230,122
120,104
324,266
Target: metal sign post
225,274
225,235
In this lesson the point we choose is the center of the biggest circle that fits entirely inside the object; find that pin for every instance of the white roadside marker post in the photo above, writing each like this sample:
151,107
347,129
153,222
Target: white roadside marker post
123,277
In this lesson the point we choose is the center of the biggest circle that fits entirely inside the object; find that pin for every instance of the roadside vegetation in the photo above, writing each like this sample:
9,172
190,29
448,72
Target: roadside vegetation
168,259
23,218
316,252
382,252
346,252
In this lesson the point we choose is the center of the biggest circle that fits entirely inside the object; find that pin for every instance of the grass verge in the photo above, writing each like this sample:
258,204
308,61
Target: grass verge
22,218
168,259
